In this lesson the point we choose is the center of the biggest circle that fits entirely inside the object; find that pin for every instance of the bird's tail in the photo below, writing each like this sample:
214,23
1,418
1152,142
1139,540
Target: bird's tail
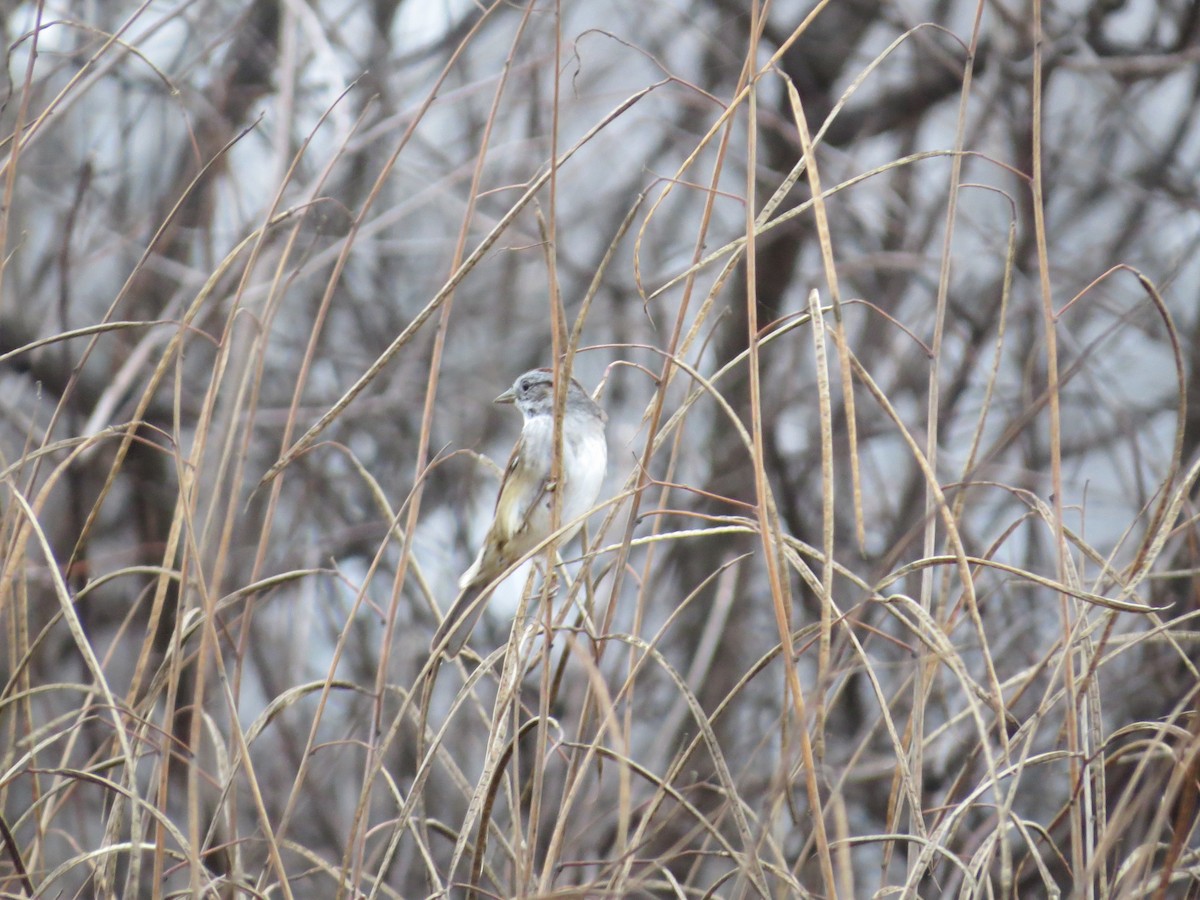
460,621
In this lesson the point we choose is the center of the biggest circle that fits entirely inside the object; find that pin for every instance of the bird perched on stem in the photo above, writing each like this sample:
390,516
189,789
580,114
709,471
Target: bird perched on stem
524,506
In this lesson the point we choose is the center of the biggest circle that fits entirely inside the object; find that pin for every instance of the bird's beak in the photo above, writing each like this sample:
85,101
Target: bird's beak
507,397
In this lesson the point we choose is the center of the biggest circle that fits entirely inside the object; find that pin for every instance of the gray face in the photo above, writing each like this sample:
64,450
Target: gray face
534,392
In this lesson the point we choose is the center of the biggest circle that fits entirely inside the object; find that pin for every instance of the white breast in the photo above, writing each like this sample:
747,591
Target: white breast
586,462
591,458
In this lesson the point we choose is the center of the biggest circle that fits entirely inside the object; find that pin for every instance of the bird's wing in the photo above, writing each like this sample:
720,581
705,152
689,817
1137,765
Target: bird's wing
515,503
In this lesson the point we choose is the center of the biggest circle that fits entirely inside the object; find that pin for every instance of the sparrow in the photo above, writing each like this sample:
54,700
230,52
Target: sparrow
522,517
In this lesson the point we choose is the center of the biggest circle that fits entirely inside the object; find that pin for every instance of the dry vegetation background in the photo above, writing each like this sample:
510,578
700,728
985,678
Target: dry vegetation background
313,239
